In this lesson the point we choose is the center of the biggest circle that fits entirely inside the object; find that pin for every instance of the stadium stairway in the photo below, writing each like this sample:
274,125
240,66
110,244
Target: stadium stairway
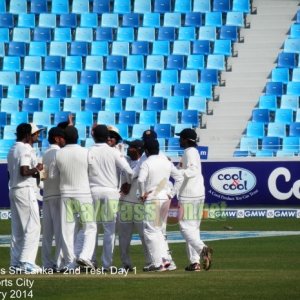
250,71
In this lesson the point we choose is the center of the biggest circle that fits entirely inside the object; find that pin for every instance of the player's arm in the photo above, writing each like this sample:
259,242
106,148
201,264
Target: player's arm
124,167
193,166
178,180
25,163
143,174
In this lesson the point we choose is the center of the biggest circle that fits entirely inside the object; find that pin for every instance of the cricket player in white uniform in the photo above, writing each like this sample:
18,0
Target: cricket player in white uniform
191,199
105,162
51,203
131,210
76,200
23,169
154,190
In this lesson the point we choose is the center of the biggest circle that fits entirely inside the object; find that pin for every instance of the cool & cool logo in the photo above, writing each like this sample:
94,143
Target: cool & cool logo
233,181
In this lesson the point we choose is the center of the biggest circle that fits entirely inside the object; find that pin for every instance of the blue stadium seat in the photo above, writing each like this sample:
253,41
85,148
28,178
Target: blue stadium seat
268,102
38,49
79,48
162,6
293,88
195,62
174,145
214,18
4,35
80,6
101,90
296,74
161,48
135,62
16,91
291,143
134,103
104,34
99,48
202,5
143,90
89,142
93,104
155,62
58,91
122,6
30,105
229,32
68,20
294,129
276,129
189,76
131,20
27,78
274,88
7,20
82,131
183,6
284,115
61,116
60,7
166,34
110,20
109,77
280,75
73,63
18,117
101,6
42,34
106,117
235,18
148,117
221,5
120,48
2,7
193,19
125,34
210,76
295,31
155,103
89,20
291,45
140,47
138,129
290,102
3,118
129,77
208,33
169,76
84,34
26,20
287,60
146,34
182,89
62,34
122,90
37,91
204,89
11,63
10,105
162,90
163,130
115,62
84,118
48,77
255,129
89,77
9,132
51,105
142,6
58,49
270,143
68,77
242,6
172,19
197,103
222,47
21,35
7,78
186,34
114,104
181,47
127,117
72,104
33,63
201,47
38,6
168,117
261,115
41,118
249,144
151,20
148,76
175,62
190,117
17,49
47,20
80,91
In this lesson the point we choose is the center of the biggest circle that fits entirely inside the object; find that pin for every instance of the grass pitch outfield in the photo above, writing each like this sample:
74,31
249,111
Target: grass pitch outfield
252,268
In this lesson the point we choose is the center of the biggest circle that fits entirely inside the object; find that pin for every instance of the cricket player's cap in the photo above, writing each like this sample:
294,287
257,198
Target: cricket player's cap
114,132
100,131
149,134
137,144
188,134
35,128
56,131
151,144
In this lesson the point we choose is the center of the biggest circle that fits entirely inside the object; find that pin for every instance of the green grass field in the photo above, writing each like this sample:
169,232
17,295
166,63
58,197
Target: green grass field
256,268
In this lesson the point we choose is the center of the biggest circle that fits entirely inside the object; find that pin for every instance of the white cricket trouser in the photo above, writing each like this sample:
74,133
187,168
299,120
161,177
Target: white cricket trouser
74,213
126,224
190,227
25,225
153,229
106,206
166,254
51,227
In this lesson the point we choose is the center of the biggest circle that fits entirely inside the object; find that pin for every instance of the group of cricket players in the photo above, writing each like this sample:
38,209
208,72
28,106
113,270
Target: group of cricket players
111,187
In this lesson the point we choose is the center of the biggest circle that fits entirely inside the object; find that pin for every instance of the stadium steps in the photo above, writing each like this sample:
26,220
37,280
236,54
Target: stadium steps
250,71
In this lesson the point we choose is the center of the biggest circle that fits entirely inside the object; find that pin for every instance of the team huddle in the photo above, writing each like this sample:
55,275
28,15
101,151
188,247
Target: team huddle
85,188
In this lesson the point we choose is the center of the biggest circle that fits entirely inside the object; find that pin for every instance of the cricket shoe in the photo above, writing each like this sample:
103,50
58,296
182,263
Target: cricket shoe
206,256
126,268
69,267
86,263
153,268
195,267
172,266
29,268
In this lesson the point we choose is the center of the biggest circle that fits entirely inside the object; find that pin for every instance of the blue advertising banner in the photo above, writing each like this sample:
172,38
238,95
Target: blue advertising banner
253,183
234,183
